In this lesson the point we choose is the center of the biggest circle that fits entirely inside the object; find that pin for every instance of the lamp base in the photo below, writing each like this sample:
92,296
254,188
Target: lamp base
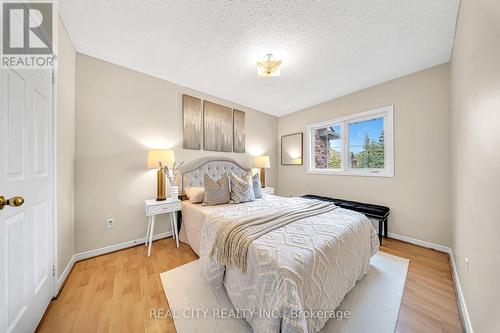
263,177
160,185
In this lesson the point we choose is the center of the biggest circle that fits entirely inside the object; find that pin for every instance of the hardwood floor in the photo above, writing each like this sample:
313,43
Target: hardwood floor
429,302
115,292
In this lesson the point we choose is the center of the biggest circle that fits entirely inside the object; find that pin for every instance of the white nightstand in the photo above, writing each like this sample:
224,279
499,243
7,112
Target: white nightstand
153,208
268,190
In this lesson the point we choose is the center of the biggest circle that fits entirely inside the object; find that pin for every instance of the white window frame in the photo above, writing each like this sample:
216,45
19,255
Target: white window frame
387,112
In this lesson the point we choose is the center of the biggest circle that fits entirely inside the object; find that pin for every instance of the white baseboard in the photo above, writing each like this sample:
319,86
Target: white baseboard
97,252
64,275
116,247
464,314
429,245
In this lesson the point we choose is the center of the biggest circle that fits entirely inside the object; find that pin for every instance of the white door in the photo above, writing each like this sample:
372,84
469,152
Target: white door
26,232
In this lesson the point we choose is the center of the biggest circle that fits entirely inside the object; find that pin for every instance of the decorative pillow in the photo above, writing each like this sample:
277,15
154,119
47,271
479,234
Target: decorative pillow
257,187
195,194
216,192
242,189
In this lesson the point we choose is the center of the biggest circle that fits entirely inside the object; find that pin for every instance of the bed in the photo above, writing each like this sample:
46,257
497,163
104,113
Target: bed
295,275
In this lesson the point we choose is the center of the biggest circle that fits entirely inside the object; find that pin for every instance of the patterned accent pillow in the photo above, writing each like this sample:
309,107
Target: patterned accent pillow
257,187
216,192
195,194
242,188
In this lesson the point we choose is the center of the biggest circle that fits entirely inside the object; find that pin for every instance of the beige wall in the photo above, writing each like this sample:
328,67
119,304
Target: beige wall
120,114
475,109
65,148
418,195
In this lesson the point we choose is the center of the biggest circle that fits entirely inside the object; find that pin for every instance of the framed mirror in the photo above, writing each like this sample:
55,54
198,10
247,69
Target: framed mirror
292,149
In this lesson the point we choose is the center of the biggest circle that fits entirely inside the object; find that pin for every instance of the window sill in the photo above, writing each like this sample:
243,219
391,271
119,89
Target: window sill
351,173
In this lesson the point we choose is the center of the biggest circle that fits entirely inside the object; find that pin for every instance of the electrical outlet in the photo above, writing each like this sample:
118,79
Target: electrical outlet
110,223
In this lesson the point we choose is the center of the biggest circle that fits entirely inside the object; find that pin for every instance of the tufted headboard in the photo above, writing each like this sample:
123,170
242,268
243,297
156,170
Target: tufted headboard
192,174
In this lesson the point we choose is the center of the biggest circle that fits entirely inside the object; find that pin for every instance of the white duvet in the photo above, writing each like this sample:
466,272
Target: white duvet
296,275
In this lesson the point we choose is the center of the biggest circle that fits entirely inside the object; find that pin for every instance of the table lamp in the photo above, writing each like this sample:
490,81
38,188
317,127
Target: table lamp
263,163
158,159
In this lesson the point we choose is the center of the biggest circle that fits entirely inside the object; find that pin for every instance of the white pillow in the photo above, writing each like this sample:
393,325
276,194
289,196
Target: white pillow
257,187
195,194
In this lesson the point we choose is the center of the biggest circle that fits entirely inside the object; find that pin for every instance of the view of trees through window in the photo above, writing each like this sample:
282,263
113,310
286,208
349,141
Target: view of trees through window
365,143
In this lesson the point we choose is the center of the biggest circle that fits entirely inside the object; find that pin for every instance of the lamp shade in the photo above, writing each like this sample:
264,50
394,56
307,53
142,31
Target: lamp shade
163,156
262,162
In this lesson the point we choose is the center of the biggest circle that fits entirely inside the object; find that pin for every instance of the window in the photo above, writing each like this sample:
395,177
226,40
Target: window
359,144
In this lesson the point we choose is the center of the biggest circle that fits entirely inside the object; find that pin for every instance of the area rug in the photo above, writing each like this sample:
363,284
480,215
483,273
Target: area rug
373,304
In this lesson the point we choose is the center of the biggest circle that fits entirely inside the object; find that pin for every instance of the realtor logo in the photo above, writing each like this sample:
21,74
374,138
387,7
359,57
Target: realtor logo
27,35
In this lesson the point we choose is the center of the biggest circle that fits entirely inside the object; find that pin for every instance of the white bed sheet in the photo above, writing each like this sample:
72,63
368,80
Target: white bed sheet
302,270
194,218
287,267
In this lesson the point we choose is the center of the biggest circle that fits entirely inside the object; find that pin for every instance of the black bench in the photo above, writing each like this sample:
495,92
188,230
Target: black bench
381,213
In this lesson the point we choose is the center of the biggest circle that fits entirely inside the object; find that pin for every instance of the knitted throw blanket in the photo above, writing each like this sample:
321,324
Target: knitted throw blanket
234,235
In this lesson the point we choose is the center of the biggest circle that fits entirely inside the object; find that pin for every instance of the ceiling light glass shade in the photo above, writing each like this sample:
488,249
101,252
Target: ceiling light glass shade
269,68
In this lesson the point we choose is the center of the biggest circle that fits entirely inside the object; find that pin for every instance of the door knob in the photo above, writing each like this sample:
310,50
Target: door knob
13,202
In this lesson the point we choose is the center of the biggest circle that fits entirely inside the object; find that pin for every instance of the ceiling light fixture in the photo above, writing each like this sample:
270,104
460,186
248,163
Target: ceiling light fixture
269,68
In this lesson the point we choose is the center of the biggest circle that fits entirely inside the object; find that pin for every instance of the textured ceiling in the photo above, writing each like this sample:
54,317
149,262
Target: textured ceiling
329,48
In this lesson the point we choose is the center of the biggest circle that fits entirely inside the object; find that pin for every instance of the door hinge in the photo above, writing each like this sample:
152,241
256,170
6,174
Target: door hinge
53,78
53,270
